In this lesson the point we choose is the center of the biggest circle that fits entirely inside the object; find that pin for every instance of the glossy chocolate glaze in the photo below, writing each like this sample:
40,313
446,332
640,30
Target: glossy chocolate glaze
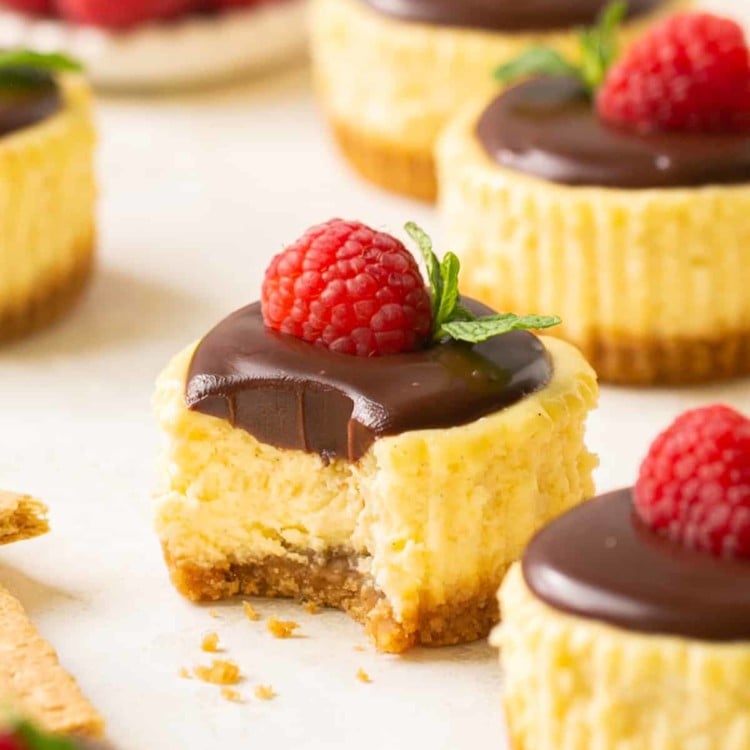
548,128
27,97
504,15
600,561
295,395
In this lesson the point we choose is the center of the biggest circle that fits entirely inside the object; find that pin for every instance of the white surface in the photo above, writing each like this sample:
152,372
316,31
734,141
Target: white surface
188,51
198,192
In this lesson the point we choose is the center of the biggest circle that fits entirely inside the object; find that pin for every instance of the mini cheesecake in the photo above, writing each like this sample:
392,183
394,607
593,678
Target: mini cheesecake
618,638
391,73
397,488
47,196
620,230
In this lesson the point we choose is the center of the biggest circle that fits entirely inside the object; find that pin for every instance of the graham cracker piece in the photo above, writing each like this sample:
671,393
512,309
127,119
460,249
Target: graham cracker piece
32,681
21,517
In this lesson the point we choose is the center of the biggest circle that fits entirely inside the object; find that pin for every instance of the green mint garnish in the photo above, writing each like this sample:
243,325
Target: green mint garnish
52,61
35,740
599,50
451,320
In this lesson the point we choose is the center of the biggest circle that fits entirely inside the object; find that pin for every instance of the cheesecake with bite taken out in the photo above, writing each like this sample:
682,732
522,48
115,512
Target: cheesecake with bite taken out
362,441
617,194
627,623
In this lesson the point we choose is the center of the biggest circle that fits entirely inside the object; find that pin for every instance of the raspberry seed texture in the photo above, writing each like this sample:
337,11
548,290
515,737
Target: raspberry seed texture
694,485
350,288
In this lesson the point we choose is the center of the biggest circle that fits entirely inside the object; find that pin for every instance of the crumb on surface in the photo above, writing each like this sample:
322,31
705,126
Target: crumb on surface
210,642
362,676
231,695
213,613
281,628
265,693
250,612
184,673
219,673
359,648
311,608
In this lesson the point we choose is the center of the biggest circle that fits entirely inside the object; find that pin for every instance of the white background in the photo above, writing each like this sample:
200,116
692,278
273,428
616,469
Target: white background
198,191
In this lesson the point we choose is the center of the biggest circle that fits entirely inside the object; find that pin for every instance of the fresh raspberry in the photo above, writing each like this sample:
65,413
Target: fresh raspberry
694,485
689,73
350,288
33,7
121,14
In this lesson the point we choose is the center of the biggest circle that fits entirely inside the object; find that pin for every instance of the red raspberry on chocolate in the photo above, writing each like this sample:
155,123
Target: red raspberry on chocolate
694,485
121,14
33,7
350,288
10,742
689,73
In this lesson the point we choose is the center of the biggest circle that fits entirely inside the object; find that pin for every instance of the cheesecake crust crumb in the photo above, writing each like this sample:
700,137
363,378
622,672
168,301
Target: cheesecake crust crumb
250,612
312,608
281,628
231,695
184,673
265,693
362,676
219,673
213,613
210,643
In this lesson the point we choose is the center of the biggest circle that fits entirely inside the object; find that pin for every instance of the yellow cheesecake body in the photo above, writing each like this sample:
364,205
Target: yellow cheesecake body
650,284
47,221
577,684
388,87
413,539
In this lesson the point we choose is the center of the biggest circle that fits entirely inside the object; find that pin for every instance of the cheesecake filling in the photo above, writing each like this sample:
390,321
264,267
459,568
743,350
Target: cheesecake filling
504,15
548,128
601,562
28,96
296,396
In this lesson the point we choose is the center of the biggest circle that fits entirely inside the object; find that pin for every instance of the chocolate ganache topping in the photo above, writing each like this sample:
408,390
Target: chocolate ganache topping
294,395
504,15
27,96
548,128
600,561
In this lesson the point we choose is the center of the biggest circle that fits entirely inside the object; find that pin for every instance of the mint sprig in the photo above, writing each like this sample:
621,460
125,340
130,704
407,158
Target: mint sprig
451,320
49,61
599,49
34,739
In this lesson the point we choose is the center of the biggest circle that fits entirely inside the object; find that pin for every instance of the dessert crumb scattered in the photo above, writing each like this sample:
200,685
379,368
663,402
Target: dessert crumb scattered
360,648
311,608
210,642
250,612
362,676
265,693
231,695
219,673
184,673
281,628
213,613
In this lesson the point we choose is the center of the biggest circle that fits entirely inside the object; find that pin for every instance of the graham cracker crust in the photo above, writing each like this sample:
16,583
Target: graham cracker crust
387,164
50,300
335,582
647,362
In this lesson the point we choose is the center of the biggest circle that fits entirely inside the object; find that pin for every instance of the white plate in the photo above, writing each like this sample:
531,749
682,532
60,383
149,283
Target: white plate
186,52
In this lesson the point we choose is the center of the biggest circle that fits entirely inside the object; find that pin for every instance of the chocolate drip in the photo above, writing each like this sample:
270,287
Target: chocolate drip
504,15
27,97
549,128
295,395
599,561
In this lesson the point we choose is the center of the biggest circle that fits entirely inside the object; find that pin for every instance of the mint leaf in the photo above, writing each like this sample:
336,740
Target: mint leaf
52,61
482,329
536,61
35,740
424,243
449,269
598,51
